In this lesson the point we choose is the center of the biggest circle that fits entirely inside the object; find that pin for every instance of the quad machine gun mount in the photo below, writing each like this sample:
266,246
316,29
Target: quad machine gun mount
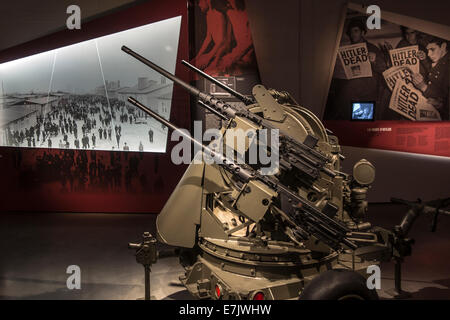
251,232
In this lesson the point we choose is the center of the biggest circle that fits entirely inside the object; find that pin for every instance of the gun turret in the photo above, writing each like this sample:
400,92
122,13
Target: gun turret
308,220
237,220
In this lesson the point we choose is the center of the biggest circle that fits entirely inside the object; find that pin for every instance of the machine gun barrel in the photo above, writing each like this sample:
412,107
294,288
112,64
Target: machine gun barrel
309,218
315,160
247,101
242,173
204,105
220,106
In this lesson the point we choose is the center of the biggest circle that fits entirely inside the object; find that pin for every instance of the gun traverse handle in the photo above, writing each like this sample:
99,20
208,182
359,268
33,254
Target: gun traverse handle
408,220
134,245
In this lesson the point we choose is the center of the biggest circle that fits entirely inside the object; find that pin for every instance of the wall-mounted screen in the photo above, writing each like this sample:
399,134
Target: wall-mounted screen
75,97
363,111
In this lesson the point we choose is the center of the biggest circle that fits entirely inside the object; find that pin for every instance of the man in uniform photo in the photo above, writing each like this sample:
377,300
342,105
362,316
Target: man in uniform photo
435,85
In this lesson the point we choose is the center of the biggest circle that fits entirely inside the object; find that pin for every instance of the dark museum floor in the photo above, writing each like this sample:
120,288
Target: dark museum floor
36,250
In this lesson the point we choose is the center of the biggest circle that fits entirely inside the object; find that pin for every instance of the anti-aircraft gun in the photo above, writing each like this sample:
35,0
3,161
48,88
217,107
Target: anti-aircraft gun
248,231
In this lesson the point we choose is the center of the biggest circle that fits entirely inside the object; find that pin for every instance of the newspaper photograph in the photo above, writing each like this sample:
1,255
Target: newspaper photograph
392,74
410,103
355,60
406,57
388,54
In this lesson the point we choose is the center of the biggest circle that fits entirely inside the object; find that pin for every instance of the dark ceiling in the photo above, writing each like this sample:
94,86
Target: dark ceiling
25,20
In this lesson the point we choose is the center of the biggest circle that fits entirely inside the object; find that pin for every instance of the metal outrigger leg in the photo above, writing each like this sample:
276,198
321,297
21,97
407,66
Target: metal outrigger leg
398,292
146,254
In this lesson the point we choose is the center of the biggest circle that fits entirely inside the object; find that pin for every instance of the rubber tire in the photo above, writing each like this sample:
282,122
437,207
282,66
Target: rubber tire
337,284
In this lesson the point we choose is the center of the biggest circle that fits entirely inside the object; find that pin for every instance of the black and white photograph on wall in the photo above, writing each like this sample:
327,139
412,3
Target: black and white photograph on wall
75,97
405,71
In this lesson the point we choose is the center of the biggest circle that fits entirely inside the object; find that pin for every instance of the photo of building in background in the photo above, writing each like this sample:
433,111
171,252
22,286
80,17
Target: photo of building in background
75,97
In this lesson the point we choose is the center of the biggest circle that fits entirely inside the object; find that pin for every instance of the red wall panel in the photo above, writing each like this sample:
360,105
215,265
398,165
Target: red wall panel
432,138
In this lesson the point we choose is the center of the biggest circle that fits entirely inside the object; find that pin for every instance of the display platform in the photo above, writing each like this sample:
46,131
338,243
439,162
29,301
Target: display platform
37,249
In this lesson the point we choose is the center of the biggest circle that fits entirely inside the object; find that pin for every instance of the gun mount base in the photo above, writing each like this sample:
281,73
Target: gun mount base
243,270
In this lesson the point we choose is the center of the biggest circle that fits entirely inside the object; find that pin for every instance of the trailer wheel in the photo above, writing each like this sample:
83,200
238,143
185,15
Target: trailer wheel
338,284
